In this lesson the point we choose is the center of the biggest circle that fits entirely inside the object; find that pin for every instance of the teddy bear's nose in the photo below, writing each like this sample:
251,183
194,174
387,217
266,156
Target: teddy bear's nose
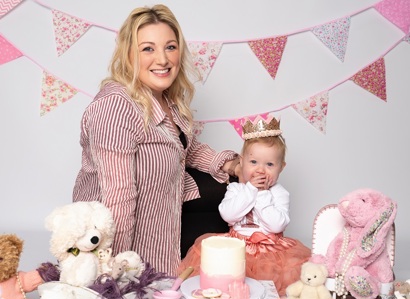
95,240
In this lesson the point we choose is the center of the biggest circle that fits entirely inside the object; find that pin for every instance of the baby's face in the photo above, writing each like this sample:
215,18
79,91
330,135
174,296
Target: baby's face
260,159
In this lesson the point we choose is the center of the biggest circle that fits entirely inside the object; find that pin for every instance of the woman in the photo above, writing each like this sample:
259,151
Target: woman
137,139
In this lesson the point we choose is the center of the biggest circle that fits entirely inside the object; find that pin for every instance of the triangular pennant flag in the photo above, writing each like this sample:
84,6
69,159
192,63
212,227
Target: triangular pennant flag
407,38
269,52
314,110
54,93
204,55
7,51
198,127
239,122
334,35
67,30
397,12
7,5
373,78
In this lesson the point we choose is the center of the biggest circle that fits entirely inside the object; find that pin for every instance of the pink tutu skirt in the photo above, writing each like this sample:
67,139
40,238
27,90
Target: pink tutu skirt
268,257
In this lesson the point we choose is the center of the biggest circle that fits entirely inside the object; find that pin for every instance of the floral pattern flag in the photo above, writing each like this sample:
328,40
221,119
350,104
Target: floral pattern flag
67,30
314,110
397,12
269,52
7,5
7,51
373,79
239,122
204,55
198,127
334,35
54,93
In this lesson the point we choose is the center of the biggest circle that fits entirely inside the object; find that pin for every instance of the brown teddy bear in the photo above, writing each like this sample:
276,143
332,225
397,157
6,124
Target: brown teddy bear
14,284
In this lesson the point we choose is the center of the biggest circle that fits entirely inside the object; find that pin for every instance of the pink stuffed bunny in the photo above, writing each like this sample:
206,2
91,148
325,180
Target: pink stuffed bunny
357,257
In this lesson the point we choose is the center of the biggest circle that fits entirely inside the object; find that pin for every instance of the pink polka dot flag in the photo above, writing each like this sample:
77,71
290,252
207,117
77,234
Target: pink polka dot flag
7,51
397,12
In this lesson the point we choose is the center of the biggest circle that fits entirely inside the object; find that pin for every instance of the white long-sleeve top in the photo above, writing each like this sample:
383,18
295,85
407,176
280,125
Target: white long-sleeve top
270,208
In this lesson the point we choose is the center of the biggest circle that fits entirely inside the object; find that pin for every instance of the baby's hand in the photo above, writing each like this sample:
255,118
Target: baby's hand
262,181
268,182
259,181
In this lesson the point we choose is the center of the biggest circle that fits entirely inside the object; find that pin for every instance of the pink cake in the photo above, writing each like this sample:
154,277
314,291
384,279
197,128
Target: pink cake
222,262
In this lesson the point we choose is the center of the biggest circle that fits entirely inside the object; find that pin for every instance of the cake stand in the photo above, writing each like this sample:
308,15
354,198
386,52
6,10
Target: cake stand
257,290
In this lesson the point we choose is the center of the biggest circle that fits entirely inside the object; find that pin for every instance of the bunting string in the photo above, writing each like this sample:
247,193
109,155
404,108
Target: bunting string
269,50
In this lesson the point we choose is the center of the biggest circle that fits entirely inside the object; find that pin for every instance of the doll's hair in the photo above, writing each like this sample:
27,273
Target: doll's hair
124,66
271,141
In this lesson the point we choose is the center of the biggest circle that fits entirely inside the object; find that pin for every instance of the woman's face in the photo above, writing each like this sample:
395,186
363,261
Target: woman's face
158,57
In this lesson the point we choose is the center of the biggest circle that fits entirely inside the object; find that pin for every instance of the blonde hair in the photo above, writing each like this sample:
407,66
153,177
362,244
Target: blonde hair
125,70
277,141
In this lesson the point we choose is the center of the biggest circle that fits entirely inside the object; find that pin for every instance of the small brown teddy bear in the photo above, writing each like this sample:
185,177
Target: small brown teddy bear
13,283
311,284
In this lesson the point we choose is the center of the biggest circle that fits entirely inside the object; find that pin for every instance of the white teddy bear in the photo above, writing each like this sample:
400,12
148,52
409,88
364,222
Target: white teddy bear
106,260
311,284
79,230
127,266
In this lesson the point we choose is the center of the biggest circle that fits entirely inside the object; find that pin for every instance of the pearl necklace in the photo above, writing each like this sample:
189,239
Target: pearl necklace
20,286
340,287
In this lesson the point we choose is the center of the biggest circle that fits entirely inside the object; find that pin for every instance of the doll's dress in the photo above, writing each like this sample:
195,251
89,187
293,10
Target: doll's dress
268,257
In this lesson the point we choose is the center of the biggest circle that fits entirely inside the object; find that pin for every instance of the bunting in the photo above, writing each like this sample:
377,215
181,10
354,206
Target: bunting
7,5
54,93
334,35
314,110
204,56
7,51
67,30
373,79
397,12
269,52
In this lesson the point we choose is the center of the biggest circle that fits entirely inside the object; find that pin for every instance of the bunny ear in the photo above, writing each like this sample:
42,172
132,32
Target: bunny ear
375,233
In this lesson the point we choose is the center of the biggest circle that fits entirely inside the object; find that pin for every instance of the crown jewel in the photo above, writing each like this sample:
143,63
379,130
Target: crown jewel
261,128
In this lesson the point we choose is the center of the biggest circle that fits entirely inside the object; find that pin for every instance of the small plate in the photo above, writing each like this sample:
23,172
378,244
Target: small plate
257,290
56,288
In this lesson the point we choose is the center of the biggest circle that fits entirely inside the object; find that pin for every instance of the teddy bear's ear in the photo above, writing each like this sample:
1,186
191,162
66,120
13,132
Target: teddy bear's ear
373,238
53,219
324,270
15,241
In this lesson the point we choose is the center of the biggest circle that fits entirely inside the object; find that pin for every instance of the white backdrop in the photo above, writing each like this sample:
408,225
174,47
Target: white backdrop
366,142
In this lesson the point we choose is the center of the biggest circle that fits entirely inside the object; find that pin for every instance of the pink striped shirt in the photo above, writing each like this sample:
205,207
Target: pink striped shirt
139,174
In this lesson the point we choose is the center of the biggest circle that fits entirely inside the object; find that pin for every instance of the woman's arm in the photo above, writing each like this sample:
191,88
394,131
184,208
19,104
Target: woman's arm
202,157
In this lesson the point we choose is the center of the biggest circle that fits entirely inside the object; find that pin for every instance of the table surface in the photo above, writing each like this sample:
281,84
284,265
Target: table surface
58,288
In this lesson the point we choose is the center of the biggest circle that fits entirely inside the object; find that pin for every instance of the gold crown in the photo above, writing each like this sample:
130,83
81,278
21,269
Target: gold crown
261,128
